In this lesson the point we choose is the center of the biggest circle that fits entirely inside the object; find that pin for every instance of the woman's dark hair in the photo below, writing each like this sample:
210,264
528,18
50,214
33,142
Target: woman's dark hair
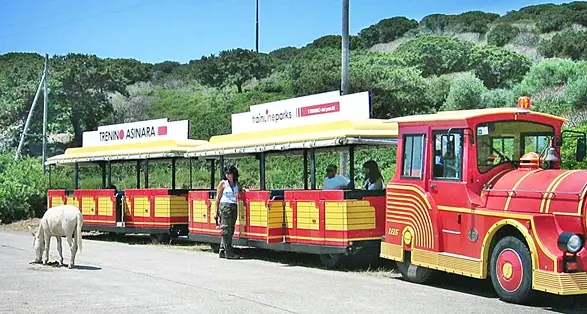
373,172
233,170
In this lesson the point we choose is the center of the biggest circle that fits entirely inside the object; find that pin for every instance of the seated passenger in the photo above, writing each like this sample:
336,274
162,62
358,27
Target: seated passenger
373,177
334,181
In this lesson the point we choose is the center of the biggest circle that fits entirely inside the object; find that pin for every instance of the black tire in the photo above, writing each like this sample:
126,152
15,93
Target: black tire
331,261
414,273
524,292
215,247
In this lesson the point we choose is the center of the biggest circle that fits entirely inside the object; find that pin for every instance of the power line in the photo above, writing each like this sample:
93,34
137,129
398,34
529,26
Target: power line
82,18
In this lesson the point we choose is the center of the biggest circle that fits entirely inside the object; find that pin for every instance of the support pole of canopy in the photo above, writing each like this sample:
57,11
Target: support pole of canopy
191,173
305,176
312,169
173,173
262,171
352,166
109,169
212,174
75,176
103,168
146,173
138,174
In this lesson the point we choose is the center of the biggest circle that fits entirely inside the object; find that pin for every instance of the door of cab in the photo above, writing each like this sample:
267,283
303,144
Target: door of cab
448,187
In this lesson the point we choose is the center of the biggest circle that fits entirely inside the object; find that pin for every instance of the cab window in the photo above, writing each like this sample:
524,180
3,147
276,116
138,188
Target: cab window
412,158
501,142
448,155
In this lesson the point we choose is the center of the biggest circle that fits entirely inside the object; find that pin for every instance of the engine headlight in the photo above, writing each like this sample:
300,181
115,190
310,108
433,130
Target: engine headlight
575,244
570,242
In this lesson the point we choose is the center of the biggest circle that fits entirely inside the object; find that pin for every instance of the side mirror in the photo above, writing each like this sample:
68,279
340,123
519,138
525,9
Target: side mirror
581,149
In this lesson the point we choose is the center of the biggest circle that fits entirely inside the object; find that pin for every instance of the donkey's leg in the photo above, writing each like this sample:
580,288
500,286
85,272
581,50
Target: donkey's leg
73,250
60,250
47,246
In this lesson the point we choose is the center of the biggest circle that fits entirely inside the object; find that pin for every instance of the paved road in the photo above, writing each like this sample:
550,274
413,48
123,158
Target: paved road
115,277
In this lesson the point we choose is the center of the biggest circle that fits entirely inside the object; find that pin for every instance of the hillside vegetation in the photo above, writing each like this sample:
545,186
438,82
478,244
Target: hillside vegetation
443,62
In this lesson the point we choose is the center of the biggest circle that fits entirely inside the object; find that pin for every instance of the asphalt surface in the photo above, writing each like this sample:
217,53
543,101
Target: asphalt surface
114,277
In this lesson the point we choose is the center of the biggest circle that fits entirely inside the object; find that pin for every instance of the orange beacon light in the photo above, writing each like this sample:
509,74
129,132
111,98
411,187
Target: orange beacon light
524,103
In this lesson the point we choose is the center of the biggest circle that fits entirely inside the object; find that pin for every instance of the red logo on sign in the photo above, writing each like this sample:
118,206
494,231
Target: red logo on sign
319,109
162,130
121,134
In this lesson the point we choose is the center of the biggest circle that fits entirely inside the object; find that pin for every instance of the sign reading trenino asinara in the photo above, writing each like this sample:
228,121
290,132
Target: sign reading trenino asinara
142,131
312,109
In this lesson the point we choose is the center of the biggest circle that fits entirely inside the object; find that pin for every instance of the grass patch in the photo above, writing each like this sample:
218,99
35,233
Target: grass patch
22,225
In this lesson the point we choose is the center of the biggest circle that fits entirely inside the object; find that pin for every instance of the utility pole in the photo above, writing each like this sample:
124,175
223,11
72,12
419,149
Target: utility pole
257,25
45,108
344,80
30,116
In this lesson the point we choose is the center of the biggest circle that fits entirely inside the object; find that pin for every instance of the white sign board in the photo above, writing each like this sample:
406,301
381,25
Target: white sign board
319,108
136,132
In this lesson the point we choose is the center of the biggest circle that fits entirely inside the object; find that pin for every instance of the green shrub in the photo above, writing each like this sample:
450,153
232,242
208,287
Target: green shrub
436,55
567,44
498,98
22,189
498,67
465,93
502,34
576,93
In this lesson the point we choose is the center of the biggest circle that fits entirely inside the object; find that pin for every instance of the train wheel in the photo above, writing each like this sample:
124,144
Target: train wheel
511,270
331,261
215,247
413,273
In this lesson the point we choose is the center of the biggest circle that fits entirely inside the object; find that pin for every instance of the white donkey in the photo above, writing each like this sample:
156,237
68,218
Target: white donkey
59,221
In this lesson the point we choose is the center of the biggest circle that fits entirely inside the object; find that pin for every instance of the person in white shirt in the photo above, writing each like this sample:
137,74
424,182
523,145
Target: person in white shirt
373,177
334,181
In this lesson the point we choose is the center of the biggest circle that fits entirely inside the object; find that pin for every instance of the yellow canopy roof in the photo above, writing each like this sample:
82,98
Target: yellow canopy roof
466,114
367,131
133,151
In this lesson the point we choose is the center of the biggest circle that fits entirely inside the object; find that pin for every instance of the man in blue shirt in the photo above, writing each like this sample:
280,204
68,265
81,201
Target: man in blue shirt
334,181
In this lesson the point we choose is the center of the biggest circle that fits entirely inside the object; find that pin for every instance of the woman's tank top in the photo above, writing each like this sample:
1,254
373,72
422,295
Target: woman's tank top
229,193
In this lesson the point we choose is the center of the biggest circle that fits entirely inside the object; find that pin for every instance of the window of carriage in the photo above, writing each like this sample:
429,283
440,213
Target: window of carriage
413,156
448,154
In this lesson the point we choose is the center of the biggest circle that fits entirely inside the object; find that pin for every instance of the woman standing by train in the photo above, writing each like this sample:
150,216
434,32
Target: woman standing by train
226,207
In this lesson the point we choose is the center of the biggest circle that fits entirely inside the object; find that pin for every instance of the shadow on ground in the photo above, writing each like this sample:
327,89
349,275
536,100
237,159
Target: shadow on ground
484,288
372,267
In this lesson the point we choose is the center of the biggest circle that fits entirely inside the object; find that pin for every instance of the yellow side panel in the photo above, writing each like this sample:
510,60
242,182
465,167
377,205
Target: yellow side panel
142,207
350,215
288,216
308,216
127,206
72,201
161,206
88,206
56,201
275,214
105,206
241,220
200,211
258,214
178,206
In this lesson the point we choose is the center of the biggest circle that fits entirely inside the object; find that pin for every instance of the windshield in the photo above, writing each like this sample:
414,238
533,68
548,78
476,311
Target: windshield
505,141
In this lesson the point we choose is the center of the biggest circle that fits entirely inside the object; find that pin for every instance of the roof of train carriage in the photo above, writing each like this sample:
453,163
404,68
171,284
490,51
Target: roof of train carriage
365,131
457,115
130,151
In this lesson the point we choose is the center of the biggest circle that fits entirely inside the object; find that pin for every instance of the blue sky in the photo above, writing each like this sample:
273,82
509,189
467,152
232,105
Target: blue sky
182,30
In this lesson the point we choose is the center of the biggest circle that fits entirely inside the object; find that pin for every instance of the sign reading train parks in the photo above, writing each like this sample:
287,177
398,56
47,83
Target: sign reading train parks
319,108
142,131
